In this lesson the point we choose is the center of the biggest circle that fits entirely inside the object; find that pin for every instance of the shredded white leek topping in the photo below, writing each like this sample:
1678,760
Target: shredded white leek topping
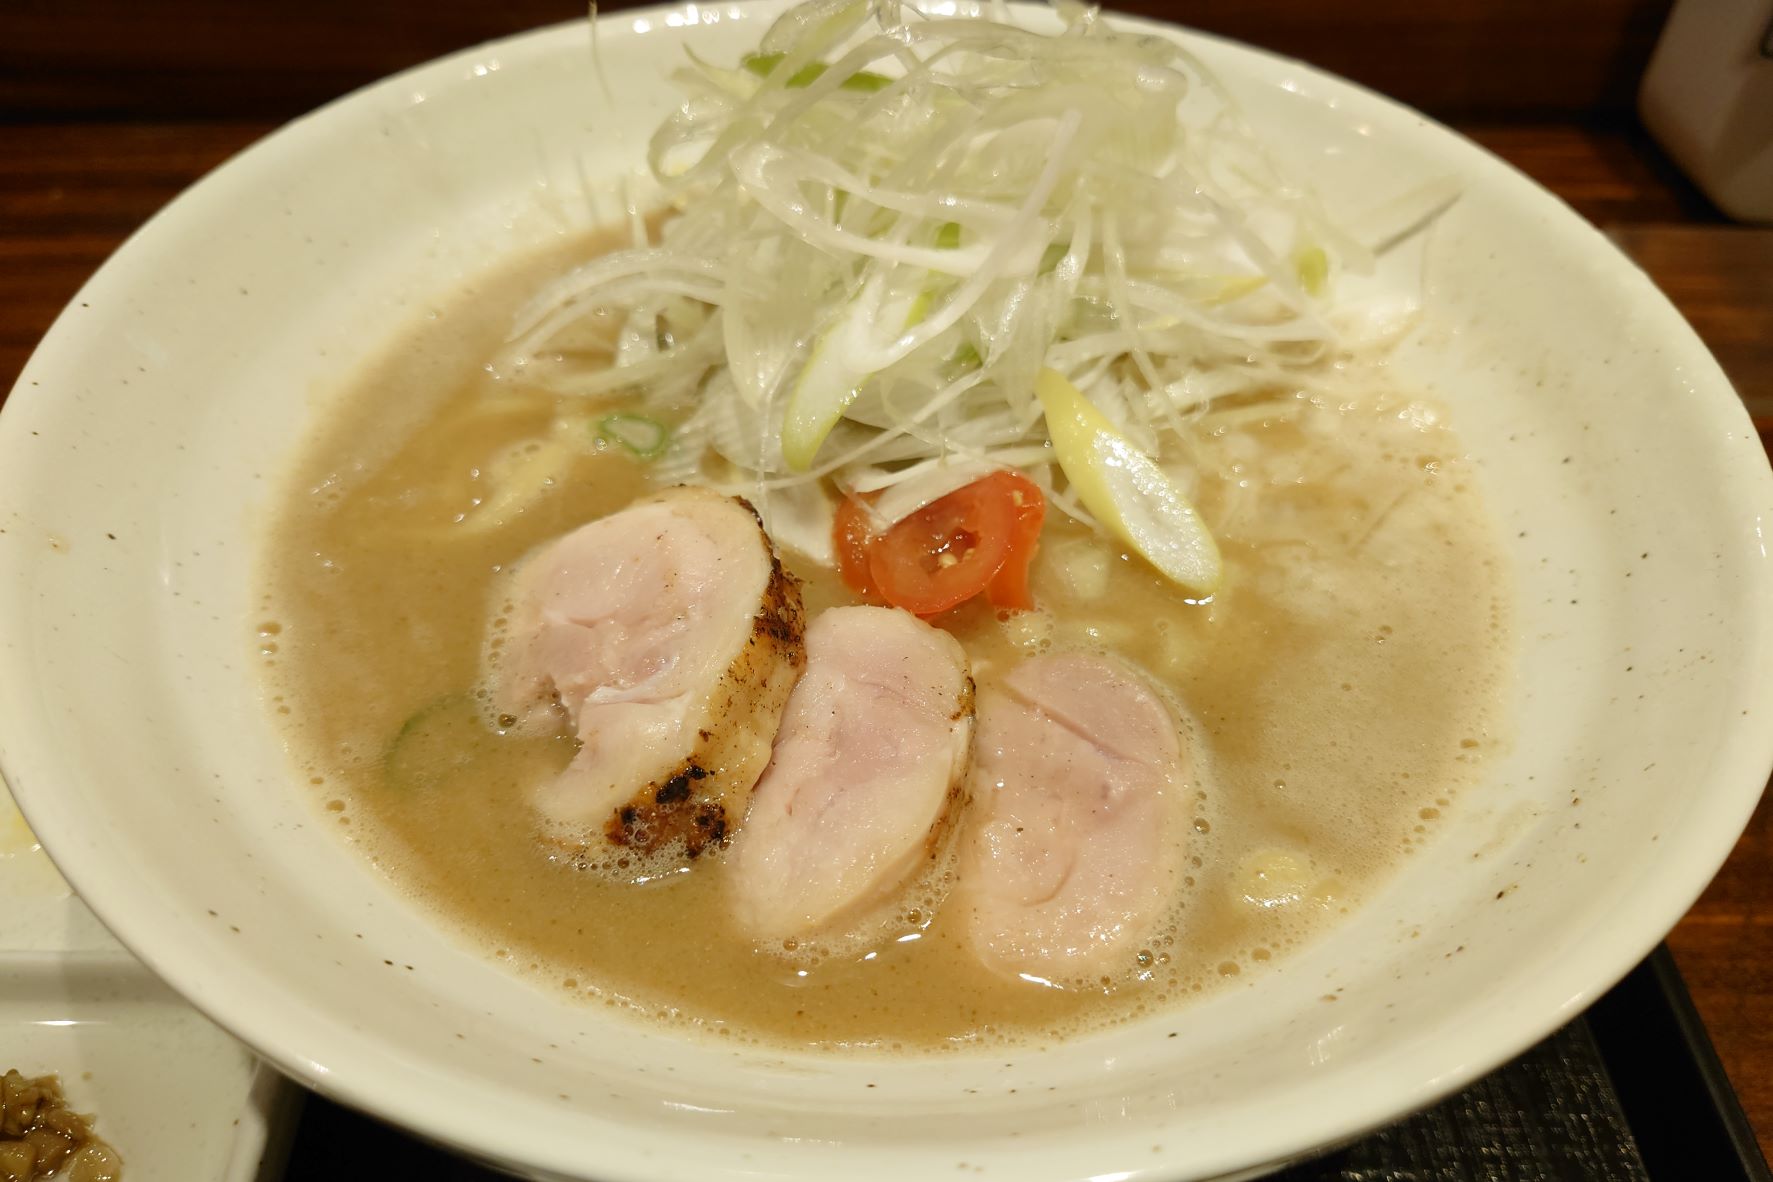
883,226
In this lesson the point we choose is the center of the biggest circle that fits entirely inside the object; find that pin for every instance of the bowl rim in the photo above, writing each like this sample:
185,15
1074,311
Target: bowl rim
331,1059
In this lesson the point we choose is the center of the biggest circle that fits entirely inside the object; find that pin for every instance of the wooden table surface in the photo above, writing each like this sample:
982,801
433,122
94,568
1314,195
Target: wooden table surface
70,191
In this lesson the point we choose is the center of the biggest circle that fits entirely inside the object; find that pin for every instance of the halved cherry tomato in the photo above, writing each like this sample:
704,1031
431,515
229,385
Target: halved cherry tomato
979,538
946,552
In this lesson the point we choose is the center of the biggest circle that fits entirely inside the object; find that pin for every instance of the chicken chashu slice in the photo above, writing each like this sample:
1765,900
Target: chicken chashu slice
1073,850
671,636
868,768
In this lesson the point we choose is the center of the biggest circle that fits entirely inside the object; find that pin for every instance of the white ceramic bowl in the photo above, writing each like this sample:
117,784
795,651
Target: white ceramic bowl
153,425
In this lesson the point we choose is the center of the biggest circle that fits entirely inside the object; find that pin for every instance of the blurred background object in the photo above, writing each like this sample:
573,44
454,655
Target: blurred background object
1707,97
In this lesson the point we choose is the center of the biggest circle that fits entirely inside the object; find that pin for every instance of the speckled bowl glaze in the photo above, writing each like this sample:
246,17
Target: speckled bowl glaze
152,429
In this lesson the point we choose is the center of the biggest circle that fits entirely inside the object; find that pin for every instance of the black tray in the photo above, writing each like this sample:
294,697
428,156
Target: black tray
1630,1092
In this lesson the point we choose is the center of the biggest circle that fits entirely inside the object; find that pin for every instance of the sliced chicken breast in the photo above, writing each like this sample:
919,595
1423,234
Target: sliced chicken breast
867,767
1073,849
671,636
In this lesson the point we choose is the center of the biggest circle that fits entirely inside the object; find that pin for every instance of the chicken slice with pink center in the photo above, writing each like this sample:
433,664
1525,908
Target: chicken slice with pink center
865,776
671,636
1072,856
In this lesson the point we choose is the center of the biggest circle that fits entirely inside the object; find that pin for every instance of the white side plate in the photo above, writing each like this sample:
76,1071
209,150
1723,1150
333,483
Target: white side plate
173,1093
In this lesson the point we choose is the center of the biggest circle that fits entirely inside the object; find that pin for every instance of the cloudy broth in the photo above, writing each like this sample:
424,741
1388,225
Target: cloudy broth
1338,695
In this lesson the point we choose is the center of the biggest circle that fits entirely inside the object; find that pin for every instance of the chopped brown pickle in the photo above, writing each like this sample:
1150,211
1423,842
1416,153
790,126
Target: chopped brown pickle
41,1137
